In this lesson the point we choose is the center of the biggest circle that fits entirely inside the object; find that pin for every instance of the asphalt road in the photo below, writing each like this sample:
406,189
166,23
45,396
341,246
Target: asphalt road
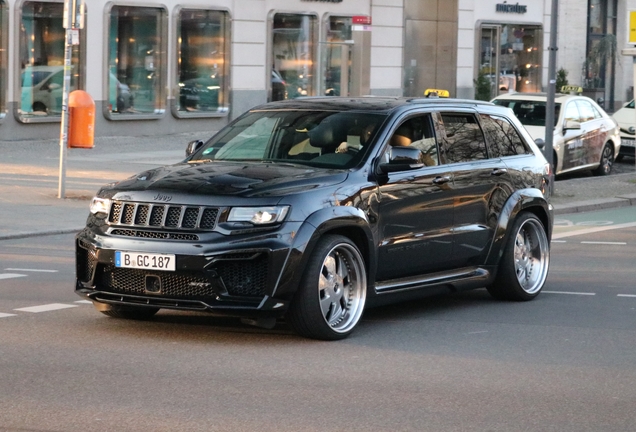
564,362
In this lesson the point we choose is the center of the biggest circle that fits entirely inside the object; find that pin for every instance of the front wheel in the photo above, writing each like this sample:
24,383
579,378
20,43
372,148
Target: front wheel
607,160
524,265
330,299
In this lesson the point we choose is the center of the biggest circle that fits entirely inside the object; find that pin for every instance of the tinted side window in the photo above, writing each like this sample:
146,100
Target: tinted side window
586,110
463,140
572,113
503,139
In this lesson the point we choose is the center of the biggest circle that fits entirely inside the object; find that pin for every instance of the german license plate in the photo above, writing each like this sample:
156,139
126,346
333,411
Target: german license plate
627,142
150,261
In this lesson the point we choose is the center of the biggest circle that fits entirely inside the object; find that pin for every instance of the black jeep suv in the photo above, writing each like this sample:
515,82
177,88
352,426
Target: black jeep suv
313,209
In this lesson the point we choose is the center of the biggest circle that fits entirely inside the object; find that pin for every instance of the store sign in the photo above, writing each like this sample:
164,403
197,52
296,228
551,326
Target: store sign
631,25
511,8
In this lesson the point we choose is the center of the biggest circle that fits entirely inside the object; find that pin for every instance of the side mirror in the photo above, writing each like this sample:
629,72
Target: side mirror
192,147
571,125
54,86
540,143
402,159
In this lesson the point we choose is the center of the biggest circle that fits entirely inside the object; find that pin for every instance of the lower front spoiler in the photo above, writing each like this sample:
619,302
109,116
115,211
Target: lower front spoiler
241,308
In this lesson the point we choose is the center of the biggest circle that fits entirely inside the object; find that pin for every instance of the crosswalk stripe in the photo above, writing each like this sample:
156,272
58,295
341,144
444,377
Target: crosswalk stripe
10,275
5,315
45,308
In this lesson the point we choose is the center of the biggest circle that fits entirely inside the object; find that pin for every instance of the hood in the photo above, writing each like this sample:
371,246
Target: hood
247,179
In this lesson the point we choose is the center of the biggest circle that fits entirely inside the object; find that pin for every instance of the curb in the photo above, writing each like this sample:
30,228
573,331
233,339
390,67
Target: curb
596,204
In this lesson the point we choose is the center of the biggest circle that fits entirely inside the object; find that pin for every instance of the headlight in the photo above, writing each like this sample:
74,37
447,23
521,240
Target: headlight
258,215
100,205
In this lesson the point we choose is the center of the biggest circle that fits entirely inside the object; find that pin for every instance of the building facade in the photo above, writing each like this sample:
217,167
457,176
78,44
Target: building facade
160,67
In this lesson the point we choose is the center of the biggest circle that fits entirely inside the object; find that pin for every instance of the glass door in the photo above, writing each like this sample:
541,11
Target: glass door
488,63
336,69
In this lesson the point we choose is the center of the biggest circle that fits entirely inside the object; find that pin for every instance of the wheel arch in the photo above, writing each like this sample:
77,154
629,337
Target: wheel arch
529,200
346,221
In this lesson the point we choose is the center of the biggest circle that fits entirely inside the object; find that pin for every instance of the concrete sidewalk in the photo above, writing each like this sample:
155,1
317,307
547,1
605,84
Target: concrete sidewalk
29,174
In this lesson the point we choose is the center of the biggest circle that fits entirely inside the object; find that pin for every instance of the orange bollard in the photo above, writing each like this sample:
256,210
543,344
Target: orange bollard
81,123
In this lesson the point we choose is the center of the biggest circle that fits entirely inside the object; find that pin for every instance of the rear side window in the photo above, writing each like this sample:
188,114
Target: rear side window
463,140
586,110
503,139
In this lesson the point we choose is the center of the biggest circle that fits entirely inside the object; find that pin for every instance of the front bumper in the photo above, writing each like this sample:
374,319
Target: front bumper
628,145
214,276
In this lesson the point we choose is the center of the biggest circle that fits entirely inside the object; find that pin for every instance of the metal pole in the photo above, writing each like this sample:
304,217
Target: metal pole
549,116
69,10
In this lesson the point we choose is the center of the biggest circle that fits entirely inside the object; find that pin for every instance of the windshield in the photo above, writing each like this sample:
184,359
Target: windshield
315,138
529,112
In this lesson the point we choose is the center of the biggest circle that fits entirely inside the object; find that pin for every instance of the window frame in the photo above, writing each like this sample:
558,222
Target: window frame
174,81
163,61
17,87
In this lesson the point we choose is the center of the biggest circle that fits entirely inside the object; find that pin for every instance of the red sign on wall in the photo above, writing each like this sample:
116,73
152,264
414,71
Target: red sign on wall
361,19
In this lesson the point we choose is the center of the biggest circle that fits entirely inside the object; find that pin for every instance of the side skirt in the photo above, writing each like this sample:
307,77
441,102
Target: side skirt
472,277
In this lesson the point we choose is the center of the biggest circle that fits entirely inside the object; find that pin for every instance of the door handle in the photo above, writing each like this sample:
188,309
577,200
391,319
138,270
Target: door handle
499,171
441,180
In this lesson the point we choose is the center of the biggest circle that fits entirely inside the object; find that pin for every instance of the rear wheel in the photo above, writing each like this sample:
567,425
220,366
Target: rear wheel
607,160
524,265
130,312
330,299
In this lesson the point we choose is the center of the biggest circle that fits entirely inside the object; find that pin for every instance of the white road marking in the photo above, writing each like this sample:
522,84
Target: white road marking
593,230
569,292
10,275
45,308
603,243
626,295
32,270
84,302
559,241
5,315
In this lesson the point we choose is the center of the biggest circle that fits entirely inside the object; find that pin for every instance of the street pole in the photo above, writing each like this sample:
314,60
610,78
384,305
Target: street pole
549,116
70,21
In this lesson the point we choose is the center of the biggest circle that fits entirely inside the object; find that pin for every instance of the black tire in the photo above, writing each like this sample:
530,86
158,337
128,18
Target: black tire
524,265
130,312
607,160
330,299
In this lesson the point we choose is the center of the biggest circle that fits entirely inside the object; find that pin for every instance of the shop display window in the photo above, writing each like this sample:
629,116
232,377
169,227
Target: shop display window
293,56
336,57
510,59
203,48
136,61
4,27
41,61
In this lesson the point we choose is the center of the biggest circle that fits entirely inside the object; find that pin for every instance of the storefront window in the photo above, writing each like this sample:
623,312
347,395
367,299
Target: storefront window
202,62
509,59
4,27
136,61
336,57
293,55
41,57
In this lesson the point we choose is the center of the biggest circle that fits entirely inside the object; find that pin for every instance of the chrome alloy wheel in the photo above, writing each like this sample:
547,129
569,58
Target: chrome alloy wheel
342,287
531,256
607,159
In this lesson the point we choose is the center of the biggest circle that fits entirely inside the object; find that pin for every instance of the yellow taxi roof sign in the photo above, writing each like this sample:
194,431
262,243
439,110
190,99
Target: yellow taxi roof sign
572,89
436,93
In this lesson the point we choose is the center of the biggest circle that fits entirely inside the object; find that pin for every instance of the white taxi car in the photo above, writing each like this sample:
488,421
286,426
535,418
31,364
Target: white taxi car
585,136
626,119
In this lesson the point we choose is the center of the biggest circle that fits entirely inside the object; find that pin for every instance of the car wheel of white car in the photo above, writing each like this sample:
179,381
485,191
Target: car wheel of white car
607,160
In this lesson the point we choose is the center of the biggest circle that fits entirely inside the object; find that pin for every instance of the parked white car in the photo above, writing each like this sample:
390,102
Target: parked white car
585,136
626,119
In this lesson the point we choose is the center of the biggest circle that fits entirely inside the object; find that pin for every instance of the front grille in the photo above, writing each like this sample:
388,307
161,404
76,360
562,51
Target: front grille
154,234
175,285
242,275
86,261
163,216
